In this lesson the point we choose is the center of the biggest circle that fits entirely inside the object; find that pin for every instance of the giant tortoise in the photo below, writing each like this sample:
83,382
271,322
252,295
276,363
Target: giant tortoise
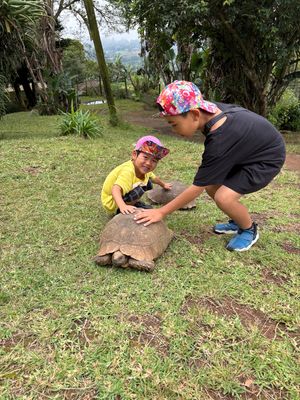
125,243
158,195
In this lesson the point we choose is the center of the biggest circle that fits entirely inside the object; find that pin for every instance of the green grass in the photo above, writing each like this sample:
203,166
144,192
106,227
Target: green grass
71,330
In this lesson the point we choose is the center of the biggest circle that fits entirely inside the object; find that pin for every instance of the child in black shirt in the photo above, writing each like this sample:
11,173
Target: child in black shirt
243,153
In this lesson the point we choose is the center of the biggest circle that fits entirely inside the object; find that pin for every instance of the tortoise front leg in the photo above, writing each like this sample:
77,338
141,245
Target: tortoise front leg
141,265
103,260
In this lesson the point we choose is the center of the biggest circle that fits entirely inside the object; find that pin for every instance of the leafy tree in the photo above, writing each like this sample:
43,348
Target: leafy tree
251,48
88,14
74,59
121,72
77,65
162,25
91,69
92,72
286,113
106,13
254,50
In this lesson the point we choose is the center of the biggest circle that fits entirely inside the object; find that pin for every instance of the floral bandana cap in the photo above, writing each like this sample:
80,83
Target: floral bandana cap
181,96
152,145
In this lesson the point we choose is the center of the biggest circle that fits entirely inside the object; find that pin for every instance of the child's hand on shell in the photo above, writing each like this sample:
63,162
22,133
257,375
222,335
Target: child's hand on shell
147,217
167,186
127,209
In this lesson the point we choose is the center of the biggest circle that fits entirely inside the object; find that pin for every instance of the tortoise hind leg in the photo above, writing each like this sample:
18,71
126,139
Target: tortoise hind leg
141,265
103,260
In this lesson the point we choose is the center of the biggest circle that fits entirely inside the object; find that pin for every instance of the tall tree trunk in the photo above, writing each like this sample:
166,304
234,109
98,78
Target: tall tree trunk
18,95
184,55
100,86
95,35
30,95
54,55
126,89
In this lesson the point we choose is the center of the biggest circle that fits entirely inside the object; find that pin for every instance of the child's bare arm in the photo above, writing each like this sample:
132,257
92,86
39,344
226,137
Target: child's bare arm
147,217
123,207
161,183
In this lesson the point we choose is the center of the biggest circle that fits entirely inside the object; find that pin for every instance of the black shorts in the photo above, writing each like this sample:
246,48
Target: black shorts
246,179
244,154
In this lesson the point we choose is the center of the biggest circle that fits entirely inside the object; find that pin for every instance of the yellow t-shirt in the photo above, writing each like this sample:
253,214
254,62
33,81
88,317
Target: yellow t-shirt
123,176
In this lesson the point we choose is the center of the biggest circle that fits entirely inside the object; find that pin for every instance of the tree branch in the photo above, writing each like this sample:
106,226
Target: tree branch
290,77
64,6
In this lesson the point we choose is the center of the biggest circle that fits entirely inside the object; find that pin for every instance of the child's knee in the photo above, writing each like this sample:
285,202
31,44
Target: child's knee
222,198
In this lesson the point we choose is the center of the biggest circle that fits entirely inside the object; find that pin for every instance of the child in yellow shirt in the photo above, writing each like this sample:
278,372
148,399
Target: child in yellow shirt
125,185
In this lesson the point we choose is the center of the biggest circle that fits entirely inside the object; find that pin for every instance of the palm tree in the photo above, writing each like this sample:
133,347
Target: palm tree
18,42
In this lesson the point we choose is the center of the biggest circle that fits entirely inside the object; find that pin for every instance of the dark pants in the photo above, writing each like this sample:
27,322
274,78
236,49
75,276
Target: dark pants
135,194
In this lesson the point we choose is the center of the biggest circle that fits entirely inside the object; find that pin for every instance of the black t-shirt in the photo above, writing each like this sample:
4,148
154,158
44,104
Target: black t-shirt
245,138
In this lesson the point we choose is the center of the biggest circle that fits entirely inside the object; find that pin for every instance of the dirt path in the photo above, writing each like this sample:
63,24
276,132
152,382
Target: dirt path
148,119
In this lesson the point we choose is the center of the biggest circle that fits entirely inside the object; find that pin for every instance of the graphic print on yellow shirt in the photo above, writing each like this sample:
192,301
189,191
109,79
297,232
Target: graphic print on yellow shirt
123,176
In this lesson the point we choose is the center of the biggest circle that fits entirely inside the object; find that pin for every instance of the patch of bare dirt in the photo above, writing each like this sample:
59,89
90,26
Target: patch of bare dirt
292,162
87,391
271,277
28,341
284,185
18,390
198,239
82,329
290,248
252,393
197,363
32,170
260,218
248,316
291,227
294,215
150,119
148,331
79,394
216,395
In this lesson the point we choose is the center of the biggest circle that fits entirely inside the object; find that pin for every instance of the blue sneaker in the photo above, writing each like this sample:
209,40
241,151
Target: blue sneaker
230,227
244,239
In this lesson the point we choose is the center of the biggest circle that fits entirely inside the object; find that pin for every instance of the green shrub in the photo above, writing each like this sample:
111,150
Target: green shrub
286,114
119,93
80,123
49,108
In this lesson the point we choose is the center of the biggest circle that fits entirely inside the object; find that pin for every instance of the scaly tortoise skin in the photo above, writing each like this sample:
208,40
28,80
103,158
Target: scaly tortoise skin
125,243
158,195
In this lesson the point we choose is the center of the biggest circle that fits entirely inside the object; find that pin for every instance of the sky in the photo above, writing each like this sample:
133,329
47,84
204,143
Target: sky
73,29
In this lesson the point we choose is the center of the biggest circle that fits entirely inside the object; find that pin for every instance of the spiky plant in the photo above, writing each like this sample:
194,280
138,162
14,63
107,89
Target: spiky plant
18,34
80,123
15,13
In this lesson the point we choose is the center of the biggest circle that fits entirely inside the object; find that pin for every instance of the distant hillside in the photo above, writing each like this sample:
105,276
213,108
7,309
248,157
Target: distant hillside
127,49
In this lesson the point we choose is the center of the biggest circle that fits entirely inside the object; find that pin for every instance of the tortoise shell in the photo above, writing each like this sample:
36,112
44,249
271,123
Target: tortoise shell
137,241
158,195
